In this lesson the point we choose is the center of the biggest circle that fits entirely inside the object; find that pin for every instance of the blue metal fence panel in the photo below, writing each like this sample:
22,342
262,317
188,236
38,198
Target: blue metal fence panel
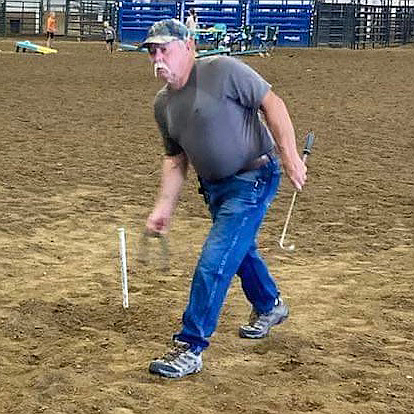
209,14
293,20
135,18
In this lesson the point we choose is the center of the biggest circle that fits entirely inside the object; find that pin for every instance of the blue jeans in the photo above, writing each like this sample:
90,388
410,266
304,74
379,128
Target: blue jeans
237,205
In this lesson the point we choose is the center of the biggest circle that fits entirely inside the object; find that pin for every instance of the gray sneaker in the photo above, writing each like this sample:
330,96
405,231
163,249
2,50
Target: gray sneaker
177,363
259,325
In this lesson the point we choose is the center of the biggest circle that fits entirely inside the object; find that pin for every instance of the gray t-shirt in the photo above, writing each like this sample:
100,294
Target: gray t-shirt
215,117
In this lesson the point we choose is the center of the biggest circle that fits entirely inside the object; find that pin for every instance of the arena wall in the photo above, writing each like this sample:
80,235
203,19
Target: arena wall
355,24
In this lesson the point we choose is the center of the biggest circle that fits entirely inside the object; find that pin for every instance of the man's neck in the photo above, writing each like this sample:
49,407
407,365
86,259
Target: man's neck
180,83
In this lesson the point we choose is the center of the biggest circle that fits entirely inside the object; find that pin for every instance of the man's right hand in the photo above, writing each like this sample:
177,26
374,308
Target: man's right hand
174,171
159,220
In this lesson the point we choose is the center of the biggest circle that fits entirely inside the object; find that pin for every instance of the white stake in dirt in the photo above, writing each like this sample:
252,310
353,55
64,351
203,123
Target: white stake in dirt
123,259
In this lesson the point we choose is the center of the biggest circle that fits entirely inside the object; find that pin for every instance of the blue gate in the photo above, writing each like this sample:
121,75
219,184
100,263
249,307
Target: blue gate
230,14
135,18
292,19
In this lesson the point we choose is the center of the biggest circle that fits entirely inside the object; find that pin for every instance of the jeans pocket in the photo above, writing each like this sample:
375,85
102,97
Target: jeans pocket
249,176
250,190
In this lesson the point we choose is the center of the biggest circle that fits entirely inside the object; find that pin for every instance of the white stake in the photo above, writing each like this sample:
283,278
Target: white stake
123,259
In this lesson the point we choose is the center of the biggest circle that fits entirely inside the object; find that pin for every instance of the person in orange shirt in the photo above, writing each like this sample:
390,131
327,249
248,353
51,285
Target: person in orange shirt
51,27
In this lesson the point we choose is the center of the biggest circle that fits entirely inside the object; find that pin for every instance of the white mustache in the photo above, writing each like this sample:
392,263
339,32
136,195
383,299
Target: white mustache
160,65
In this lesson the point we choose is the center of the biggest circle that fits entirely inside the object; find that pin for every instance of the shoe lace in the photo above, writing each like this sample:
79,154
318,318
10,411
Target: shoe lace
256,318
177,350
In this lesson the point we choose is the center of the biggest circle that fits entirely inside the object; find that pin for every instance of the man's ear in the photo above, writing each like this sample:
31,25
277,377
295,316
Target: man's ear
190,43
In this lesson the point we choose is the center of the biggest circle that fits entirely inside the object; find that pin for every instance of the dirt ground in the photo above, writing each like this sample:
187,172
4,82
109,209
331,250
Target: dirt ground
80,157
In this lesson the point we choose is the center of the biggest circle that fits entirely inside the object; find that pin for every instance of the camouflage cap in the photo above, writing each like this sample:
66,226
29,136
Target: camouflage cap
166,31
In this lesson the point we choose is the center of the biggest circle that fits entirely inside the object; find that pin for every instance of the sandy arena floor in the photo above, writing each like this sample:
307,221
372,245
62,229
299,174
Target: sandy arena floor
80,157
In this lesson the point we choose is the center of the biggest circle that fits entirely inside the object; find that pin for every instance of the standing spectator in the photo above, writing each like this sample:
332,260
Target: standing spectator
192,21
51,27
110,35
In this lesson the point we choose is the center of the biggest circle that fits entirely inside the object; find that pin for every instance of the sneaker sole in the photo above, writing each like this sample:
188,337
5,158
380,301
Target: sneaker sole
157,370
244,334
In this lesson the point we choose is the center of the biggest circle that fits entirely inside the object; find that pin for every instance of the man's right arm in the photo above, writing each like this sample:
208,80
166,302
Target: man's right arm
174,173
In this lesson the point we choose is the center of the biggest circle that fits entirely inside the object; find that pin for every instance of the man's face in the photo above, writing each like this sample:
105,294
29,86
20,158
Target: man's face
168,59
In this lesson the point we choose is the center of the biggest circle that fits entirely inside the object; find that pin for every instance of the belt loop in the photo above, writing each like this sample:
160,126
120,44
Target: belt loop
200,185
271,157
202,190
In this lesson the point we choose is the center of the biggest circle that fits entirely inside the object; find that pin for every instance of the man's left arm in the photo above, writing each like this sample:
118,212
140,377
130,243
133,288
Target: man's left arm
281,128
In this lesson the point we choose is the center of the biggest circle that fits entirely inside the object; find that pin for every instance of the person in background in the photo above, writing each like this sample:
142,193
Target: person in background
192,21
110,36
222,117
51,27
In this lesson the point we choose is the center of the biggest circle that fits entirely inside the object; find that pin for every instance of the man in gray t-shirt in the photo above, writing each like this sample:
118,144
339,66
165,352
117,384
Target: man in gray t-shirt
210,116
214,118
